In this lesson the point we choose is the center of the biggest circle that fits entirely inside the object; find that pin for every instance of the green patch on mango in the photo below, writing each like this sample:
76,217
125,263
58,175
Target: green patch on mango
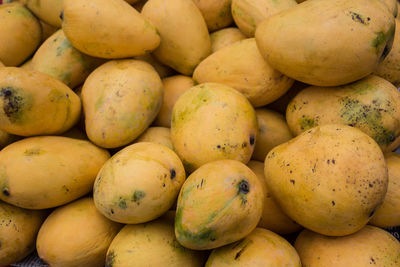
307,123
110,259
65,44
15,103
33,151
138,195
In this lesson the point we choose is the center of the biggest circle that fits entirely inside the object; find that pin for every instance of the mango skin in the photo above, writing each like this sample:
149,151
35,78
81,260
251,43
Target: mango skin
46,10
272,217
371,246
159,135
330,179
241,66
225,37
366,30
185,41
76,235
58,58
211,122
1,64
248,14
388,214
151,244
18,230
260,248
219,203
34,103
389,68
217,14
139,183
94,30
370,104
272,131
174,87
48,171
120,99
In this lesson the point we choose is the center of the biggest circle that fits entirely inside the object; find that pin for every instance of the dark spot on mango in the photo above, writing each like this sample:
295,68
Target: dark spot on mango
173,173
244,187
6,192
306,122
110,259
61,16
112,211
240,252
333,203
138,195
252,139
12,103
32,152
122,203
358,18
292,181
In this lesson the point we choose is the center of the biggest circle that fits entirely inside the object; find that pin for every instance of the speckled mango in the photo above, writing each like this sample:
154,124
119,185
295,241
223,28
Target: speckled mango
48,11
260,248
302,42
139,183
388,215
120,99
225,37
370,104
108,28
241,66
58,58
18,230
20,33
48,171
34,103
151,244
174,86
219,203
217,14
272,217
184,38
211,122
371,246
248,14
330,179
76,235
159,135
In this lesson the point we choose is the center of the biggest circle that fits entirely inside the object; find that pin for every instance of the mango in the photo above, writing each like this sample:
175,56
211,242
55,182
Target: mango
260,248
220,203
185,41
217,14
76,235
139,183
108,28
371,246
225,37
330,179
34,103
302,42
21,33
241,66
211,122
18,230
48,11
120,99
151,244
370,104
48,171
159,135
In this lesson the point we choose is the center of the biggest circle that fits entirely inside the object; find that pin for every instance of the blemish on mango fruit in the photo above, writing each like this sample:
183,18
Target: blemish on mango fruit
13,103
138,195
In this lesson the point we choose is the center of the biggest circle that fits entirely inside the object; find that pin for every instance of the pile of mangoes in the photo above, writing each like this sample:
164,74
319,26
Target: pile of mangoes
200,132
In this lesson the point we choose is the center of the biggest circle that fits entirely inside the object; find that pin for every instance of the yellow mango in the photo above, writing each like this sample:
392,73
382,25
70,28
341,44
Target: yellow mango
217,14
302,42
330,179
139,183
20,33
159,135
220,203
371,246
76,235
48,171
211,122
241,66
260,248
174,86
388,214
108,28
151,244
58,58
272,131
370,104
33,103
18,230
184,38
120,99
225,37
272,217
47,10
248,14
